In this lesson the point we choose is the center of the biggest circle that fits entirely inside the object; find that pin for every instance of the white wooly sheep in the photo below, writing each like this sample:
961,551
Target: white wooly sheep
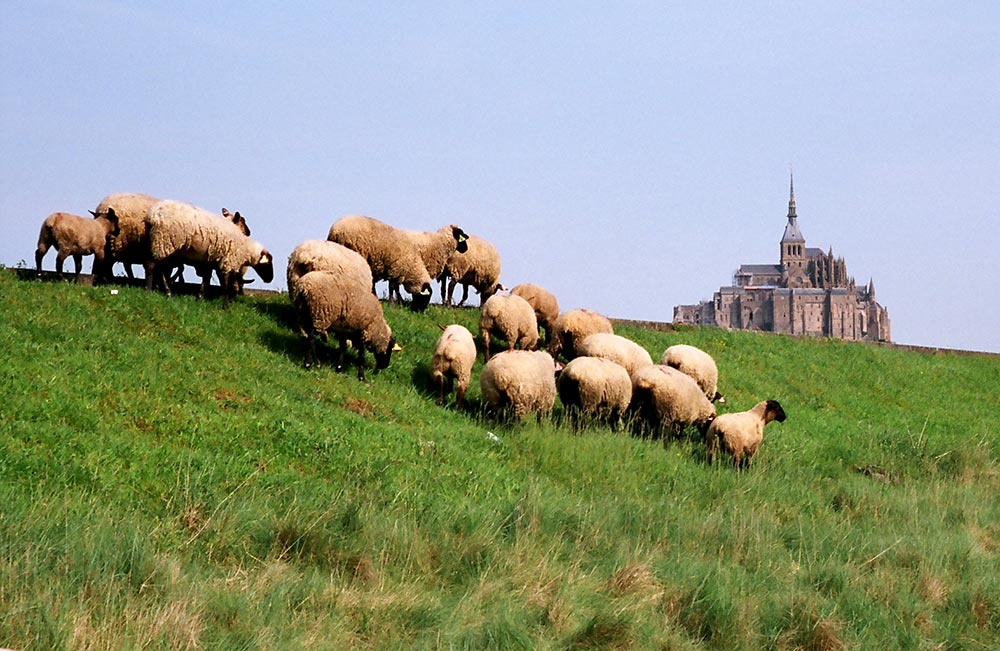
543,302
75,236
698,364
331,302
595,387
323,255
182,233
510,318
131,245
435,249
478,267
390,253
574,326
616,348
666,399
453,358
519,382
740,434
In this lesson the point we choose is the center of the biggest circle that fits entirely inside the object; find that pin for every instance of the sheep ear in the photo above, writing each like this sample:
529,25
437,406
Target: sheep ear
93,213
225,212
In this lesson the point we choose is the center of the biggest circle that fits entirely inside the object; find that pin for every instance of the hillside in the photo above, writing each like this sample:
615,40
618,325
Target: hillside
171,478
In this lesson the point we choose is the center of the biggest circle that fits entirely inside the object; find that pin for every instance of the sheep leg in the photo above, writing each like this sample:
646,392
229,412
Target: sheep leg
60,258
341,353
77,264
311,359
486,345
465,294
361,359
460,395
451,291
439,381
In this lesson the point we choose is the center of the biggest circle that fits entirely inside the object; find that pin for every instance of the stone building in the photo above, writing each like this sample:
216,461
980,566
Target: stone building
807,293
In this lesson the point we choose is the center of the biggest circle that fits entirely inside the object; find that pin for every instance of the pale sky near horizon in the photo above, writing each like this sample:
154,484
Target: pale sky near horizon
628,156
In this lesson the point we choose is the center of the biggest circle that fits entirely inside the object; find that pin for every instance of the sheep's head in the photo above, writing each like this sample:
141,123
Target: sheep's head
382,359
461,239
420,300
238,220
773,411
265,267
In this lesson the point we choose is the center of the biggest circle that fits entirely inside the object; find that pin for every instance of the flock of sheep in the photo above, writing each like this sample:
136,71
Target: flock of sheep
331,284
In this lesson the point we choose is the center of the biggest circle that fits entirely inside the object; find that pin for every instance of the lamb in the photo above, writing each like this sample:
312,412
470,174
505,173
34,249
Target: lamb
698,364
76,236
182,233
511,318
435,249
595,387
390,254
740,434
543,302
453,358
324,255
666,399
573,327
131,245
616,348
479,267
519,382
329,301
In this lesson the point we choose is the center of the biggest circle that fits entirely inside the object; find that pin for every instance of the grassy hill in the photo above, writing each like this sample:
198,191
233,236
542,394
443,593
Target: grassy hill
171,478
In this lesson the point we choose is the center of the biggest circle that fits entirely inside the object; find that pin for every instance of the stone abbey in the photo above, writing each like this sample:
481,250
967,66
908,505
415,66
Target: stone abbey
807,293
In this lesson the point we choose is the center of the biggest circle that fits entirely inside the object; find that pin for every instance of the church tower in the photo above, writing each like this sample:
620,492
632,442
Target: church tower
793,247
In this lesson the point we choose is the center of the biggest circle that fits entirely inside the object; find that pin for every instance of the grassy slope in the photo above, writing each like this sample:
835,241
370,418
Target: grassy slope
170,477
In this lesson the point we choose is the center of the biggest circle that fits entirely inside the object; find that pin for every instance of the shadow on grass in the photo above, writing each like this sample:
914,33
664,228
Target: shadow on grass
283,314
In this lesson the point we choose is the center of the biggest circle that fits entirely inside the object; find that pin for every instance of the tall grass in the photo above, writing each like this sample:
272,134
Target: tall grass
171,478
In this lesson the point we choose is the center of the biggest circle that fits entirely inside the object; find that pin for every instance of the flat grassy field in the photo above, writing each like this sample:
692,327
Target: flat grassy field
172,478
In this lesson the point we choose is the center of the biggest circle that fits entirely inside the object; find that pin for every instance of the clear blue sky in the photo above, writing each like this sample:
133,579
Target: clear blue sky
628,156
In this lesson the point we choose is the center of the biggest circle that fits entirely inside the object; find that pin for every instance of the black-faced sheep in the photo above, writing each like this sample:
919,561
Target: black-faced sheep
543,302
573,327
454,355
131,245
182,233
519,382
329,302
698,364
741,433
435,250
616,348
594,387
512,319
478,267
667,401
75,236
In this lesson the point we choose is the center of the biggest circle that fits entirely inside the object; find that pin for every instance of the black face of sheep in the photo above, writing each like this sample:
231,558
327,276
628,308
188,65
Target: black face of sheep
421,300
382,359
265,267
461,239
773,411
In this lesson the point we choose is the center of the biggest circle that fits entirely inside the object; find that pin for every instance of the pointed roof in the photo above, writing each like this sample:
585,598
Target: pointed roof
792,232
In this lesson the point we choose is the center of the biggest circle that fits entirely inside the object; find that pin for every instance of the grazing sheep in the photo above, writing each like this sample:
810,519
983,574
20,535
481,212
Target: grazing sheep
453,358
76,236
205,271
182,233
390,254
328,301
131,245
543,302
435,249
595,387
666,399
479,267
512,319
698,364
616,348
573,327
519,382
324,255
740,434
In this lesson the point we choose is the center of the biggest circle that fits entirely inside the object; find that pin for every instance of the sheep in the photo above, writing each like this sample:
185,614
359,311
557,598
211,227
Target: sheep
479,267
205,270
698,364
76,236
131,245
543,302
324,255
594,386
180,232
573,327
330,301
435,249
666,399
740,433
511,318
453,358
390,253
519,382
616,348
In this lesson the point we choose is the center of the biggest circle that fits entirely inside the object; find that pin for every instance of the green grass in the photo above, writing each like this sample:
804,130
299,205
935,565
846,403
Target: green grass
171,478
